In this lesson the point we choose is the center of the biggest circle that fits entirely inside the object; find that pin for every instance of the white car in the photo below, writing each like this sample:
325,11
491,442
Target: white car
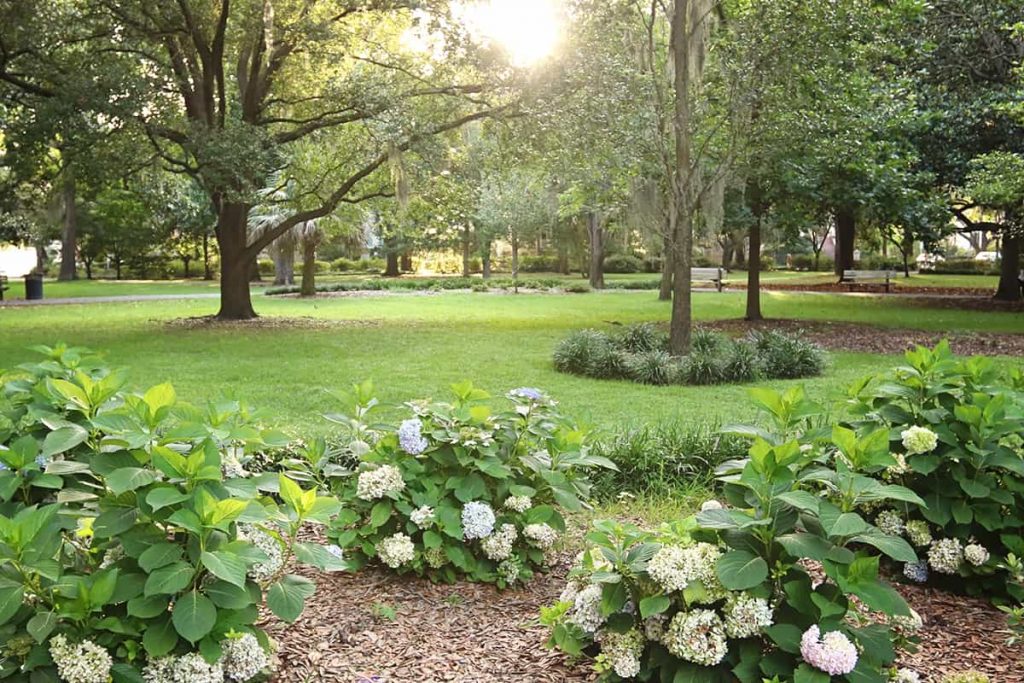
987,256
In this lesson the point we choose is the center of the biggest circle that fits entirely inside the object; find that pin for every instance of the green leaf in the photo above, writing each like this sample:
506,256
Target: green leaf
41,625
848,524
63,439
114,522
160,637
165,495
655,604
170,579
225,565
229,596
893,546
194,616
159,555
741,570
801,500
148,608
160,396
806,674
380,513
318,556
287,597
291,493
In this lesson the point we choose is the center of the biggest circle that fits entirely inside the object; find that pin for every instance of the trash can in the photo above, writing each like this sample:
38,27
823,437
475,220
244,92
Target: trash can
33,286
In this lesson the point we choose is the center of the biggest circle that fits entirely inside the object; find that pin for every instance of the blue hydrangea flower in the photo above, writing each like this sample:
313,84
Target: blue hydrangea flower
477,520
527,393
334,550
410,437
916,571
42,461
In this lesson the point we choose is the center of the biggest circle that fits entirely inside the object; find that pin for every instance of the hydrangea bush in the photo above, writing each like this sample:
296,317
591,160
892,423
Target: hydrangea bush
951,431
457,489
135,545
758,588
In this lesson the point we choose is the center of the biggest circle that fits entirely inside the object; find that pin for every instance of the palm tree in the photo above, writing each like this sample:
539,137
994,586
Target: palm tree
307,235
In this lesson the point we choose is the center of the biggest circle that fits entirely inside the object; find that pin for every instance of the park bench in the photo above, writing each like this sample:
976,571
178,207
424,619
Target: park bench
854,277
715,275
3,286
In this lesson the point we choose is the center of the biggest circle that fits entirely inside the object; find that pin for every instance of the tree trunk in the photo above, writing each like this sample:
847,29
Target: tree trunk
563,258
846,233
727,250
88,268
284,263
308,268
665,289
406,263
596,233
466,239
680,200
739,253
515,256
40,257
117,267
69,236
186,261
235,263
1009,270
485,265
254,269
754,267
207,268
391,267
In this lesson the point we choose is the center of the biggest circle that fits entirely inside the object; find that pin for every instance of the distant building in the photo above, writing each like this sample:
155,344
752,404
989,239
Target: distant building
16,261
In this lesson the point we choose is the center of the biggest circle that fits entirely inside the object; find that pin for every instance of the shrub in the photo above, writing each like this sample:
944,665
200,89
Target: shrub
663,459
786,356
322,267
133,537
623,263
344,265
265,266
646,285
651,367
578,288
806,262
457,490
640,338
703,367
726,594
742,363
703,340
965,266
949,429
588,352
538,264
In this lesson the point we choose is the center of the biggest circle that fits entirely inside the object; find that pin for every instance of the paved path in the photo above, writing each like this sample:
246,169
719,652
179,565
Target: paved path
132,298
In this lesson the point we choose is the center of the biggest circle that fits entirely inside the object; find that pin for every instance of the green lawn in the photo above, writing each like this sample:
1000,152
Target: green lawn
52,289
413,346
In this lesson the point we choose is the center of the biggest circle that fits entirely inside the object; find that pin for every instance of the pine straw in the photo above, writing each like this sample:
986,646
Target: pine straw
469,633
841,336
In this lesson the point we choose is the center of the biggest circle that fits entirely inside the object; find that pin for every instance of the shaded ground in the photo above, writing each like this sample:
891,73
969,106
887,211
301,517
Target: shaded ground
841,336
468,633
211,322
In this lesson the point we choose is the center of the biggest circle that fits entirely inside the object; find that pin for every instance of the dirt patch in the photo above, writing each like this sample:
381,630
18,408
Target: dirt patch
842,336
209,322
469,633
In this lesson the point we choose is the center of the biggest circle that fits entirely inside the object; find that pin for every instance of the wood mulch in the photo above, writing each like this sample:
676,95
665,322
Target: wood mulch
842,336
211,322
468,633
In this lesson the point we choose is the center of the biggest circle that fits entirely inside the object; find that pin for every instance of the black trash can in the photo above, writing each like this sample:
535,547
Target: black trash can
33,287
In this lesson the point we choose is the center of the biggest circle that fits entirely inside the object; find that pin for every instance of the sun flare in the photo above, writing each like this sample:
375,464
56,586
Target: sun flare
528,30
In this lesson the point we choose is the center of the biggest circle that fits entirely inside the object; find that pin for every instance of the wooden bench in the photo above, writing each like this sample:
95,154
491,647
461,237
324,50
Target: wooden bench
3,286
853,277
716,275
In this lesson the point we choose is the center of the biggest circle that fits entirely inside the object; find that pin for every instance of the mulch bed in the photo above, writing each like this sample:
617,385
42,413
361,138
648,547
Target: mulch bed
870,288
468,633
210,322
841,336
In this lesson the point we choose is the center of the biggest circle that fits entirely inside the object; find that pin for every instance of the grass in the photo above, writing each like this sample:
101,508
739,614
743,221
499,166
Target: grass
416,346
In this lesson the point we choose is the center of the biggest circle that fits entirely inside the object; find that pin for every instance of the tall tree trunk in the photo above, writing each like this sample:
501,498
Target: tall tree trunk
515,256
466,243
739,253
87,262
563,258
40,257
186,261
406,262
1009,269
665,289
727,250
754,269
69,235
680,326
391,267
284,262
308,268
207,266
596,233
485,265
846,234
117,267
235,263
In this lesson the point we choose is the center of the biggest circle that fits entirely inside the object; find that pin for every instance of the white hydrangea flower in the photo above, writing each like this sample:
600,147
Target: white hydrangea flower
654,627
498,546
710,505
674,568
243,658
905,676
919,440
697,636
834,653
477,520
542,535
946,555
435,557
271,547
190,668
518,503
907,625
901,467
623,651
422,516
571,590
509,571
586,610
918,532
112,556
377,483
84,662
889,522
231,463
746,615
976,554
396,550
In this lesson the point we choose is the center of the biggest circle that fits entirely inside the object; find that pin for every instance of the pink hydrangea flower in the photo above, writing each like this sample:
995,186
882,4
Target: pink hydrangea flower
834,654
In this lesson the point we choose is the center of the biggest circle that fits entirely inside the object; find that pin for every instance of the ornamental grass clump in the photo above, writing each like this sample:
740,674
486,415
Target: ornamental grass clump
640,353
461,490
726,594
137,542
